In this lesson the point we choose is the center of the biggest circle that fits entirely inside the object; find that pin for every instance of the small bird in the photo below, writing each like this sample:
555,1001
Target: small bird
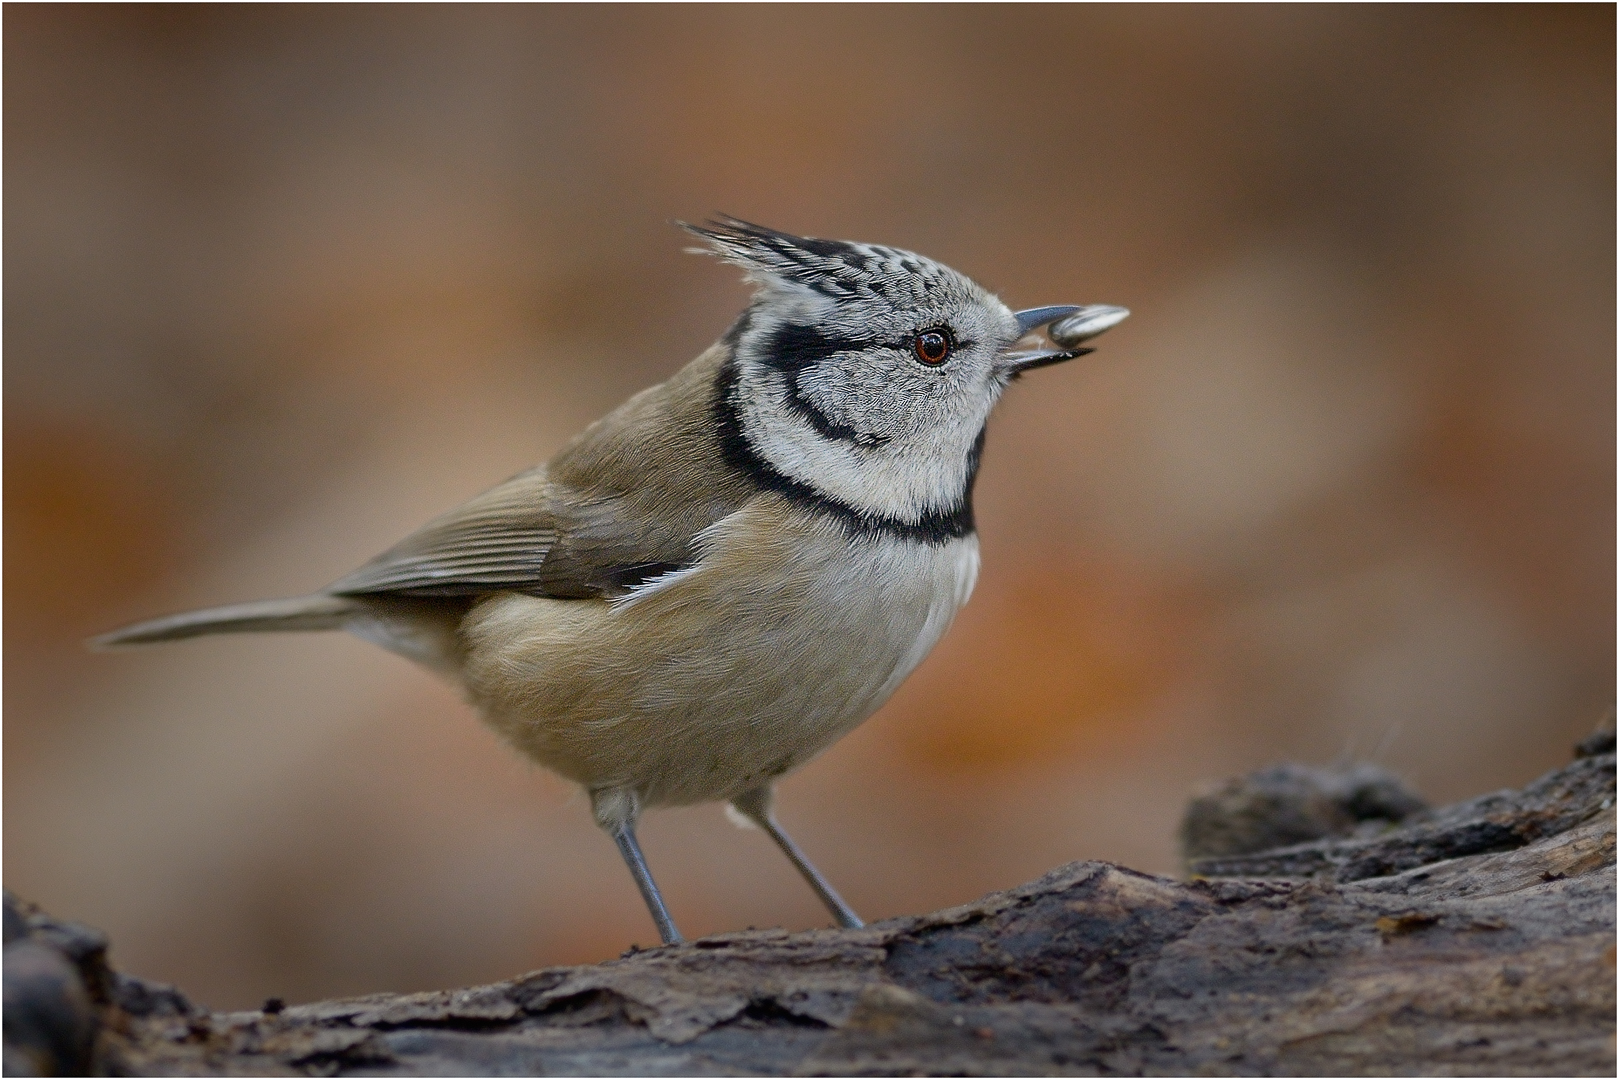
733,569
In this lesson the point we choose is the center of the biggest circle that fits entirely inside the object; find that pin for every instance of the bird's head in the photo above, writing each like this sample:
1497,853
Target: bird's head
867,373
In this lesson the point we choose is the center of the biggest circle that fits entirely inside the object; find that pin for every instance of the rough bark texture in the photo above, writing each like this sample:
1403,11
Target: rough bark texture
1476,939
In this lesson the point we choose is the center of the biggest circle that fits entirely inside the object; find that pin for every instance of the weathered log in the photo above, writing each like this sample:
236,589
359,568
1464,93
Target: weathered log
1475,939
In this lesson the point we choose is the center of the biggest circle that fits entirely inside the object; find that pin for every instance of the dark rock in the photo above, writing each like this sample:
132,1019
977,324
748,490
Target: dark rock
1292,804
50,1021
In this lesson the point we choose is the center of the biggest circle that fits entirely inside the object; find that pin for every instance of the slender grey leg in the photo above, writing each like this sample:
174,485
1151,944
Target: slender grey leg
624,837
616,812
755,806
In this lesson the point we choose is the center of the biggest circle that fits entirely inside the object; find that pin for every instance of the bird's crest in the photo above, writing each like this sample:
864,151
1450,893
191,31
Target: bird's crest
835,268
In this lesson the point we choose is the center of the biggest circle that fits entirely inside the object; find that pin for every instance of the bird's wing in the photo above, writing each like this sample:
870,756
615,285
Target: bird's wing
530,535
620,504
496,541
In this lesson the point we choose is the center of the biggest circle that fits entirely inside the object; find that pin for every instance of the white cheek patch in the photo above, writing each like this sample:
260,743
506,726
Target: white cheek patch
855,395
905,479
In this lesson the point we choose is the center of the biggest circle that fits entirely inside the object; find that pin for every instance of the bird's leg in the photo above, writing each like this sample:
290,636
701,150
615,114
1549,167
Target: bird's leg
616,811
755,805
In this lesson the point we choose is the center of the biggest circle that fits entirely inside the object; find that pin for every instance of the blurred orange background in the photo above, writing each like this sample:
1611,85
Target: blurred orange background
283,282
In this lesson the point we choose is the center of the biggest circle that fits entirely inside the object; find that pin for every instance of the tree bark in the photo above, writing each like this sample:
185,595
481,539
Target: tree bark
1473,940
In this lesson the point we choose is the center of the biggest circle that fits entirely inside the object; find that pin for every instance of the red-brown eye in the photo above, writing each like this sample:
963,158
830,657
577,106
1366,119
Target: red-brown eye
932,347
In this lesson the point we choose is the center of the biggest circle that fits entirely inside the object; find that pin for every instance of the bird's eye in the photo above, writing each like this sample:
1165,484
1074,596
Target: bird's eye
933,346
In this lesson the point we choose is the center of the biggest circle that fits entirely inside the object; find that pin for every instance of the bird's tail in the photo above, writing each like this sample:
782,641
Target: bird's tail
315,612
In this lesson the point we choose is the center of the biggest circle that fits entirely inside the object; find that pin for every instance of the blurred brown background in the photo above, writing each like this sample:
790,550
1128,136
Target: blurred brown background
281,283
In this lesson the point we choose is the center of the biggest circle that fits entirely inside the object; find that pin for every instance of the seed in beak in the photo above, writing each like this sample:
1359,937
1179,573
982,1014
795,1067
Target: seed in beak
1086,323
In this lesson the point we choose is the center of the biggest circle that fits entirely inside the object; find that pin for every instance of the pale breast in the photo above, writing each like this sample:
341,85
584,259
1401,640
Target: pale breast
706,682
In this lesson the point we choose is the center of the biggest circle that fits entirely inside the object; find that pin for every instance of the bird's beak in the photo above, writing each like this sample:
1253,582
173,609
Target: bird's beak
1036,317
1073,325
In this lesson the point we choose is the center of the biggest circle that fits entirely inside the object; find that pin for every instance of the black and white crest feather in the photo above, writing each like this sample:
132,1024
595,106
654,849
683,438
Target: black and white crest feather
838,269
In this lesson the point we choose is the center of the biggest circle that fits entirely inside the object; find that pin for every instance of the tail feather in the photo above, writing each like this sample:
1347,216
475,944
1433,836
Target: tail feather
316,612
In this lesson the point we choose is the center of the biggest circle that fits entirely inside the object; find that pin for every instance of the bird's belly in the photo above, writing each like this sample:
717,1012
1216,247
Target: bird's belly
708,682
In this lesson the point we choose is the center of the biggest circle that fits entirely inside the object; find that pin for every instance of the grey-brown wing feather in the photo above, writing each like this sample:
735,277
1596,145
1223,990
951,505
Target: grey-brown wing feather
621,504
499,540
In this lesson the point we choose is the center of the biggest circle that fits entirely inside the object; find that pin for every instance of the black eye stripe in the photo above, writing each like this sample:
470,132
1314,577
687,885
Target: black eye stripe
796,346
